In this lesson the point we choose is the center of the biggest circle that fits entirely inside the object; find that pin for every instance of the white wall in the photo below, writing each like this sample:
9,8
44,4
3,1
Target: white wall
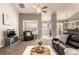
8,9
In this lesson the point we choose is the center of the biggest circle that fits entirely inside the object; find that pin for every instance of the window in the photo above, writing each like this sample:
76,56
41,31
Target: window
30,25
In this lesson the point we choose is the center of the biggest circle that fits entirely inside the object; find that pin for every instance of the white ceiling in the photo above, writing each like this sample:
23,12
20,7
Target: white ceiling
63,10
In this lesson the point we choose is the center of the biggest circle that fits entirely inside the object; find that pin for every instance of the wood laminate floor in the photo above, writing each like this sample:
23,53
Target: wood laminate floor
18,48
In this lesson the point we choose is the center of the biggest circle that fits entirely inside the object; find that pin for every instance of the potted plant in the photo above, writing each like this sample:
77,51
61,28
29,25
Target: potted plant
40,43
40,48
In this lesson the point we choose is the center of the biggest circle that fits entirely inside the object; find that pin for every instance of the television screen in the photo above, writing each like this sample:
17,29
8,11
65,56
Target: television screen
11,33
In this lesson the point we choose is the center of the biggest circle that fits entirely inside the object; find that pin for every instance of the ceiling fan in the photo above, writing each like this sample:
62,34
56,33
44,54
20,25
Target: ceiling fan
41,9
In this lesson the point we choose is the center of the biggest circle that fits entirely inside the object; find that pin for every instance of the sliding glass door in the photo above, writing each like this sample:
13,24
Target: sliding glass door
46,28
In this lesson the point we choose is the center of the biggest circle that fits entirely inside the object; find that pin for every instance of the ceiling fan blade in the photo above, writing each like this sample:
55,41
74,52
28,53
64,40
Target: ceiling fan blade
44,11
44,7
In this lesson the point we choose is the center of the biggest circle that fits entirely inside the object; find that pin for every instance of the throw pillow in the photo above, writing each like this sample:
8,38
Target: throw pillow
71,51
28,34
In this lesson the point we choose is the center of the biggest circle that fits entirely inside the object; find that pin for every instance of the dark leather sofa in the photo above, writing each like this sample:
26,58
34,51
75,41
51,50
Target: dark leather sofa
72,42
28,35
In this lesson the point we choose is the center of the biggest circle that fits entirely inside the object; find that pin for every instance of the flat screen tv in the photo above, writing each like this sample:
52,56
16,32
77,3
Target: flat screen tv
11,32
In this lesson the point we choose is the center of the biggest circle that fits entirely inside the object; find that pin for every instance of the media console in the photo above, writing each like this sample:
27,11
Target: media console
11,37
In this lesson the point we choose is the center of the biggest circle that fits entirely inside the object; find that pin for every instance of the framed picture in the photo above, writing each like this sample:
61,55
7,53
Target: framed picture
7,20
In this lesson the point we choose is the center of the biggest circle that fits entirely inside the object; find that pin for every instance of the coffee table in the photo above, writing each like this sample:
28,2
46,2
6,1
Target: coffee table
28,50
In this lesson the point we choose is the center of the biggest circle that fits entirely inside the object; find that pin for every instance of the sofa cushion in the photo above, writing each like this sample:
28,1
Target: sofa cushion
63,46
73,43
63,38
75,38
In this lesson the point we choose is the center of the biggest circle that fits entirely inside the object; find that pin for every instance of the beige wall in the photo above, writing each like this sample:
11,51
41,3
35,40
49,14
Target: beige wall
54,24
8,9
30,17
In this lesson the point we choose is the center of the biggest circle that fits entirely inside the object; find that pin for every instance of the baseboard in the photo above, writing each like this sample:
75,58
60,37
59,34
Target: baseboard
15,43
20,37
1,46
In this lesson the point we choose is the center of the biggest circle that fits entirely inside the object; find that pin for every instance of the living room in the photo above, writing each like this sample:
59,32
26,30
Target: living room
39,29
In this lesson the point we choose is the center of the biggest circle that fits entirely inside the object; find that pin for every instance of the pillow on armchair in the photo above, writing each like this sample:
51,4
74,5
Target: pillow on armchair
28,34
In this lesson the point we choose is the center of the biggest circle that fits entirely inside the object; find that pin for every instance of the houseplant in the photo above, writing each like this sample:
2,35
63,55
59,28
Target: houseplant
40,43
40,48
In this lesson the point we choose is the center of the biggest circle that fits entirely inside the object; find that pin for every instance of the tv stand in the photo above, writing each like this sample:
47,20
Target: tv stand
11,40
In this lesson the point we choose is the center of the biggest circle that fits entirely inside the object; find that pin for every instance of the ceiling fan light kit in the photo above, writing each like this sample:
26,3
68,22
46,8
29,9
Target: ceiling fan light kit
39,11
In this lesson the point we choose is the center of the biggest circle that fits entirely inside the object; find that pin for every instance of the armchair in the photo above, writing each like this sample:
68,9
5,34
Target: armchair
28,35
